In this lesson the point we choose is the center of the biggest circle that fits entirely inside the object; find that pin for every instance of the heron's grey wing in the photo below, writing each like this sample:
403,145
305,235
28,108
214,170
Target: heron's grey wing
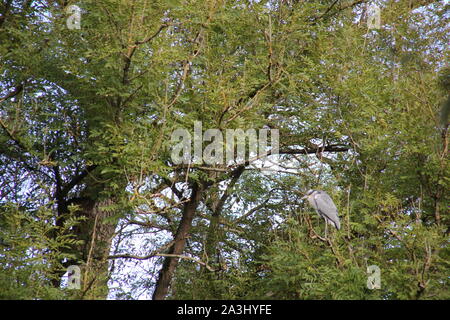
326,200
326,206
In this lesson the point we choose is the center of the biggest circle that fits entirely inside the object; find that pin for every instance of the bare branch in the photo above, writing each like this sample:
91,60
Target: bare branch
187,258
146,257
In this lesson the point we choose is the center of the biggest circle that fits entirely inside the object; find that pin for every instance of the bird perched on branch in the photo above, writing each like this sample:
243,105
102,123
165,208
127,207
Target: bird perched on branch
324,206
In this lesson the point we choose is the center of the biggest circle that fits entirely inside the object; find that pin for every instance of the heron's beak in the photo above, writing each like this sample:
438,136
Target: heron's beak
304,197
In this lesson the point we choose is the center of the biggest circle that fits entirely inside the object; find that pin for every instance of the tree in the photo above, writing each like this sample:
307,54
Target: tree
87,114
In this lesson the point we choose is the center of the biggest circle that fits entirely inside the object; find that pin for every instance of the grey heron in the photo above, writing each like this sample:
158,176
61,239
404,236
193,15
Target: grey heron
324,206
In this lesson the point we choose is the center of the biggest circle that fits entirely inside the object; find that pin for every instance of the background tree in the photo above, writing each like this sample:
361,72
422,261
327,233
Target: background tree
86,118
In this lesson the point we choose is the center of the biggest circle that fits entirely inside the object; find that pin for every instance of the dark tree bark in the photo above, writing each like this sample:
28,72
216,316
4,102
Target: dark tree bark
170,263
92,255
97,235
94,231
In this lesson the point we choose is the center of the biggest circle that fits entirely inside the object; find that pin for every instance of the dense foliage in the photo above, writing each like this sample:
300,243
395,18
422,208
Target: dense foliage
87,178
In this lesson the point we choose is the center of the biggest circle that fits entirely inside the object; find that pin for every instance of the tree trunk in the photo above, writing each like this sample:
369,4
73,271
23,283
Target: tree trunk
212,239
97,235
91,255
170,263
